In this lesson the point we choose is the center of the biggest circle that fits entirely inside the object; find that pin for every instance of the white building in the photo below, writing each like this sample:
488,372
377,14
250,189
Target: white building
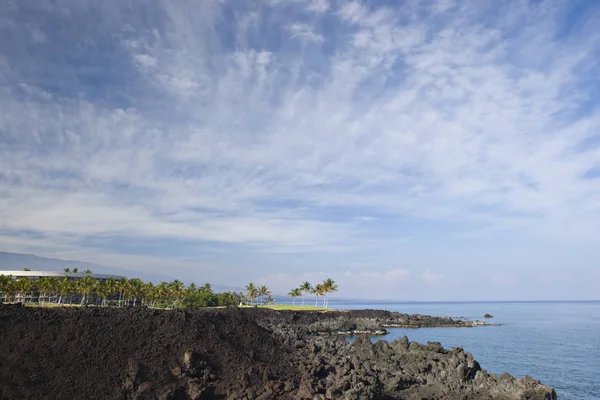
34,275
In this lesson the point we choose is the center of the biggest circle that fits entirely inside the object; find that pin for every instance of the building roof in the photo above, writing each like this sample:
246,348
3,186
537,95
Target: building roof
56,274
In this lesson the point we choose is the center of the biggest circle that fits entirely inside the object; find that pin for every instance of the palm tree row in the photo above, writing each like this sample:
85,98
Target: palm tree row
258,292
320,289
135,292
104,292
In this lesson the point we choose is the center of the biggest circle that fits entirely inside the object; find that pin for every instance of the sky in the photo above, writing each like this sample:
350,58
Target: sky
410,150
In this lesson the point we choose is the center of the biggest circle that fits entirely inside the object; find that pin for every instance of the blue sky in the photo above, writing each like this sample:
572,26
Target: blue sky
415,150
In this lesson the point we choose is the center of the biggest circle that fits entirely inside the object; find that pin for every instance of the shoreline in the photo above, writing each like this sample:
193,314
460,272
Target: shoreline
138,353
361,322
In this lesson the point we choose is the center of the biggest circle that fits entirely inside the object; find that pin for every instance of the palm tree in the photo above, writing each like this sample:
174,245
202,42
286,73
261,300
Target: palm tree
52,288
75,270
5,282
65,287
251,292
151,294
105,288
262,292
148,293
111,284
33,290
318,291
10,289
206,288
306,287
191,289
330,287
177,289
23,287
85,286
67,271
295,293
121,286
101,293
44,286
87,271
136,287
161,293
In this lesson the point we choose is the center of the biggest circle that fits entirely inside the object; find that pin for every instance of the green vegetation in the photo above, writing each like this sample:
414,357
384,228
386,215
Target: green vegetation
295,293
251,292
263,293
320,289
134,292
293,307
87,290
305,287
204,297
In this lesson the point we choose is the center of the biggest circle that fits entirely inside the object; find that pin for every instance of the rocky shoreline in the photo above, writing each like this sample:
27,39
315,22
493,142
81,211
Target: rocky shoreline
357,322
248,354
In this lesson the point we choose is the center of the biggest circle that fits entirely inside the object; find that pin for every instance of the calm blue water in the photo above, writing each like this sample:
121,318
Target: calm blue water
555,342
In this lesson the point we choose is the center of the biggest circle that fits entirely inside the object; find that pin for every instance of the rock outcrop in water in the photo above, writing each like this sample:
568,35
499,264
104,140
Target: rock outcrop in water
226,354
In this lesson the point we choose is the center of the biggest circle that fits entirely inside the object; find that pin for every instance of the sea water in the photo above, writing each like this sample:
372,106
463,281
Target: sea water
555,342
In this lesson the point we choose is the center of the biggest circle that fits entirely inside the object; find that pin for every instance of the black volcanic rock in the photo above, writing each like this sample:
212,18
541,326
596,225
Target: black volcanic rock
135,353
351,321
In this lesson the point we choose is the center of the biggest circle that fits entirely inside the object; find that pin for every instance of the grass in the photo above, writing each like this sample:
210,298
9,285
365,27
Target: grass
280,307
50,305
291,307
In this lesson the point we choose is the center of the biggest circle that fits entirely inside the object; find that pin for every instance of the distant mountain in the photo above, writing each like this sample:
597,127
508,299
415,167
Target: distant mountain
16,261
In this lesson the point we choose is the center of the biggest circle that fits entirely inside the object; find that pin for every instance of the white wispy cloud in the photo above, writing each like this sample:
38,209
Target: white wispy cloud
298,126
305,31
352,284
431,277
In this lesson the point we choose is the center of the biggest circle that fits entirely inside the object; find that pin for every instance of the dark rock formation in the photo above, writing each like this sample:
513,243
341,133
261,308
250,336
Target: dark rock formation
351,322
488,316
225,354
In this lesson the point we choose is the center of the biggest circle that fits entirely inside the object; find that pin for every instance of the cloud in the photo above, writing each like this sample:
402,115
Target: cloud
303,127
145,60
37,36
305,31
319,6
352,284
390,277
432,278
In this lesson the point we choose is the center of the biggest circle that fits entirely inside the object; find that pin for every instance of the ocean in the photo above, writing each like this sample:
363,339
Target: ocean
555,342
